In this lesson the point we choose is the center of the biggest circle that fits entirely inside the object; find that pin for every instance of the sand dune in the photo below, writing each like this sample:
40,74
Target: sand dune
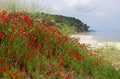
90,40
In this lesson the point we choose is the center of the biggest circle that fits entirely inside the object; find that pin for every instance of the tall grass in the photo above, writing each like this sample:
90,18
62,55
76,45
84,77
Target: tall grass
30,49
35,50
27,6
111,53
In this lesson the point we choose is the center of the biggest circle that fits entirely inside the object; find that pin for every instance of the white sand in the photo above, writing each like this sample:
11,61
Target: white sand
90,40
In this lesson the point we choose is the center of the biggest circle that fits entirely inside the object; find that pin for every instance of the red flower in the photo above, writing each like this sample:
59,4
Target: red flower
75,52
4,63
48,44
52,65
38,30
16,76
67,77
39,46
63,57
46,25
3,69
14,39
58,74
4,12
2,36
10,76
26,18
51,71
23,69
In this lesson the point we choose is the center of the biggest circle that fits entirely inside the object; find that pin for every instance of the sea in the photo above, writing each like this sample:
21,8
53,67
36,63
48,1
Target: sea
106,36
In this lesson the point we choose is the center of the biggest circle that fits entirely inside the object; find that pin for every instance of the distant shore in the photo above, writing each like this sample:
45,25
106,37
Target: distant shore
92,42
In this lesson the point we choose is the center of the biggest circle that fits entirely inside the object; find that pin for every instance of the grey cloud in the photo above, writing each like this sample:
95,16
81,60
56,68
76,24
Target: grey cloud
98,14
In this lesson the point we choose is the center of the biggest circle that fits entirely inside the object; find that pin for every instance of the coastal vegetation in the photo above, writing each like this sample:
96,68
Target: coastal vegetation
33,48
62,21
111,53
30,49
67,25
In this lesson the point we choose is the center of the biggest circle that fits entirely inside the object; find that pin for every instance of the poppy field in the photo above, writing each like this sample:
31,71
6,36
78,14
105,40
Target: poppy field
31,49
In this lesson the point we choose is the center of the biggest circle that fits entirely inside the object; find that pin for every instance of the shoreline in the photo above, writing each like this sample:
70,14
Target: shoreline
93,43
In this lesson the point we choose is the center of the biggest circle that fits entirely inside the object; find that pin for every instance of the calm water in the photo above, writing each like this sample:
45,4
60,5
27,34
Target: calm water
106,36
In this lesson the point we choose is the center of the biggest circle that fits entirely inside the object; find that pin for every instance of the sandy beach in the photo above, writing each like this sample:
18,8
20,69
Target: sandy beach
93,43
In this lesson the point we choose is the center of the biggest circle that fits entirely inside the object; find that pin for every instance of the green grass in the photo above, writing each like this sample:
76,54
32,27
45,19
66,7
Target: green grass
35,10
111,53
30,49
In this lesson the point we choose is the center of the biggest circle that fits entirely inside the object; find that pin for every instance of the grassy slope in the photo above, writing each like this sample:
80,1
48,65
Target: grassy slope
31,49
33,9
67,25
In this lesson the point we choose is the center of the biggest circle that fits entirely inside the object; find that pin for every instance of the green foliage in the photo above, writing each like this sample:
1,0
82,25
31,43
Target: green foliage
33,50
34,9
61,21
110,52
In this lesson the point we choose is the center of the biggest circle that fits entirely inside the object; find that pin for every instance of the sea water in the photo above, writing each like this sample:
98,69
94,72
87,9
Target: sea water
106,36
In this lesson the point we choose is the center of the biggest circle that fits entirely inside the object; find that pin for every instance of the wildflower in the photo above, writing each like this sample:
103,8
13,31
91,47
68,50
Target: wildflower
16,76
50,72
4,12
14,39
2,36
58,75
63,57
15,55
4,63
48,44
39,46
3,69
26,18
9,75
51,25
65,39
52,65
66,77
44,52
9,15
61,69
4,18
75,52
57,42
4,25
23,69
39,31
46,25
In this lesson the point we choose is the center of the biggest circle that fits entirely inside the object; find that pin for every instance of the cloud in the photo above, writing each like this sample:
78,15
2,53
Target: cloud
96,13
70,7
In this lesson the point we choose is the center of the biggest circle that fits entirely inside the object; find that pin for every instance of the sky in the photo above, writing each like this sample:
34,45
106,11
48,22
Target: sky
100,15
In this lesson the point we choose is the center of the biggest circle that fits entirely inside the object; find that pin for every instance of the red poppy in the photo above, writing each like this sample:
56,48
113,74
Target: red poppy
2,36
10,76
48,44
39,46
58,74
4,12
23,69
39,31
63,57
52,65
26,18
16,76
3,69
